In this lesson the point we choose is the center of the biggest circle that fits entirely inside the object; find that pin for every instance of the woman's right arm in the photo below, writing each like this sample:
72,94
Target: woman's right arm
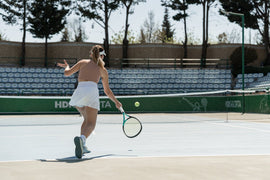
69,71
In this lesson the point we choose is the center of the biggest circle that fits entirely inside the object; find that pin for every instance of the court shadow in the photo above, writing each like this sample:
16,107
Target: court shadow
74,159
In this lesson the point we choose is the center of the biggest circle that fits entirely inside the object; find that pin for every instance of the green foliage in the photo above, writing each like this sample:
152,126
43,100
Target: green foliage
78,31
65,35
99,11
16,12
180,6
13,10
222,38
246,7
149,31
95,9
129,3
117,38
236,58
142,38
47,17
2,37
167,32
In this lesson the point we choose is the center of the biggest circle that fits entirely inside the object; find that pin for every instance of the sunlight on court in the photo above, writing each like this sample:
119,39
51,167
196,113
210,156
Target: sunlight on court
191,134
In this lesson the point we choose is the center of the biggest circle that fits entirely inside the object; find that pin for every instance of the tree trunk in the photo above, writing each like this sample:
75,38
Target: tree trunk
46,51
266,33
186,37
125,40
22,61
106,40
203,39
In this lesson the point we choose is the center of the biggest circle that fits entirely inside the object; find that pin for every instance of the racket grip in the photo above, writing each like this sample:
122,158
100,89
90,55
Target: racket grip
121,109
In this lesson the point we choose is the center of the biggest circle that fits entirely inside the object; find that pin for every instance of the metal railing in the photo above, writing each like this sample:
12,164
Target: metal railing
169,63
34,61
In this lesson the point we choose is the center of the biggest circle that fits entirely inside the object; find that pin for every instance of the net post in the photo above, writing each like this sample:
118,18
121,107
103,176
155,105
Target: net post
226,107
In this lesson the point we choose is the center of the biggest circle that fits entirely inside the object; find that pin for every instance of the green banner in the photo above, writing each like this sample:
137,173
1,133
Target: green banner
252,104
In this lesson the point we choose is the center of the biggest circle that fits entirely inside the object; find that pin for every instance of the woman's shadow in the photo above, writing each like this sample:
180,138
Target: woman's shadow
74,159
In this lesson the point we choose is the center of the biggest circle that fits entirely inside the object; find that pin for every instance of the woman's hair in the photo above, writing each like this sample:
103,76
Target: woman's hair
96,55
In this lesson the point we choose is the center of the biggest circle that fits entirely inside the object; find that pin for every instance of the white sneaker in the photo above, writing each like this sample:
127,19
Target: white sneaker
85,149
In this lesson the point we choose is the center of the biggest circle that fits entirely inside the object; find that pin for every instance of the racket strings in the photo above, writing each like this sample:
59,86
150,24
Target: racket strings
132,127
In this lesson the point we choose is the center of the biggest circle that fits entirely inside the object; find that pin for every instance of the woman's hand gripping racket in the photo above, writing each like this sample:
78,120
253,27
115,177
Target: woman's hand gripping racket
132,127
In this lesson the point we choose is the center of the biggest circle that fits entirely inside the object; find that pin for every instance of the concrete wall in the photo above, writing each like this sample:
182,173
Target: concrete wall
35,51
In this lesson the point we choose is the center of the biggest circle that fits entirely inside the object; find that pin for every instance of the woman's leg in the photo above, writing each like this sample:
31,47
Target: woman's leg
82,112
88,125
90,118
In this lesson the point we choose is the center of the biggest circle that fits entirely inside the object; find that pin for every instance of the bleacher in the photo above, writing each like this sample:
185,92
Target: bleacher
51,81
35,81
166,81
252,80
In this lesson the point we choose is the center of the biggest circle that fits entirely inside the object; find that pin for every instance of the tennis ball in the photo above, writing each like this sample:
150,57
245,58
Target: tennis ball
137,104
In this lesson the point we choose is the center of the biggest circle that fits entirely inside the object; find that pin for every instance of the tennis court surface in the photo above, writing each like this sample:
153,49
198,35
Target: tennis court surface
171,146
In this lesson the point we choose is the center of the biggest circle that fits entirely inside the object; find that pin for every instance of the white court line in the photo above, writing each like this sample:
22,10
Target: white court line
238,126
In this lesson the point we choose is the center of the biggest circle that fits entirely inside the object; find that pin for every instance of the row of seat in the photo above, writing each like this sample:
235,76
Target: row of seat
60,70
156,91
37,80
252,80
30,70
36,85
190,76
34,75
170,71
144,81
167,81
31,91
175,86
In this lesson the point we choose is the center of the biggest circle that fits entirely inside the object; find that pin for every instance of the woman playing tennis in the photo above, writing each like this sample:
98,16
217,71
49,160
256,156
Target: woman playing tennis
86,96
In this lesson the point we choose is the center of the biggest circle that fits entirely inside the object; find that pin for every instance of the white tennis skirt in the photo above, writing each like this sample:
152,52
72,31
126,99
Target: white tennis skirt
86,94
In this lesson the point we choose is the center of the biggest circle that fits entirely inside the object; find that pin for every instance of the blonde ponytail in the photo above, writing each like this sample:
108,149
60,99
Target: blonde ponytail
101,63
96,55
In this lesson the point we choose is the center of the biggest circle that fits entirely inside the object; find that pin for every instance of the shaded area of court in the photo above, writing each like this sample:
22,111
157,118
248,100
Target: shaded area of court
171,146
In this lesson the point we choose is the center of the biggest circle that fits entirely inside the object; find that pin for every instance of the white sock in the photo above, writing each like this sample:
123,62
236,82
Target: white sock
84,139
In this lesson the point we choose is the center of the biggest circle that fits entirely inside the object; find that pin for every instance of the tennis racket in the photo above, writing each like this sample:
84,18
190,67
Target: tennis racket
132,127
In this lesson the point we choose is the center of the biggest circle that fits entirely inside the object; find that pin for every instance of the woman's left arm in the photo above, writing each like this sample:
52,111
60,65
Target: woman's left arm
107,89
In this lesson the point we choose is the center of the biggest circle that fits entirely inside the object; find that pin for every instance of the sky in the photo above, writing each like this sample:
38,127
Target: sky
217,25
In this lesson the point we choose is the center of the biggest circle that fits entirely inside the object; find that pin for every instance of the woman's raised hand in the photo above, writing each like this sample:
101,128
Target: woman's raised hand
63,65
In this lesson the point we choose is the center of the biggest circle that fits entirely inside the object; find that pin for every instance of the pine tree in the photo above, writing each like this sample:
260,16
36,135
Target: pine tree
15,12
47,18
166,28
180,6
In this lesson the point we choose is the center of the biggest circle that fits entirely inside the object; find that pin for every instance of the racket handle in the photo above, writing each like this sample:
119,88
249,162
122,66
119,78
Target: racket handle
121,109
